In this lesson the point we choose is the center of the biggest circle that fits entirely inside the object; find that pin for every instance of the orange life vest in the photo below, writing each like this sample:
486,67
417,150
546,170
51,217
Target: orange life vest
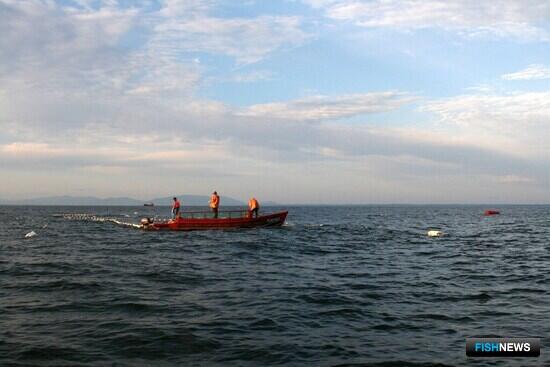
253,204
214,201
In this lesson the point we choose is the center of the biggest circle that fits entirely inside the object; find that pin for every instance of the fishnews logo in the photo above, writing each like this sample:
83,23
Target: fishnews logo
503,347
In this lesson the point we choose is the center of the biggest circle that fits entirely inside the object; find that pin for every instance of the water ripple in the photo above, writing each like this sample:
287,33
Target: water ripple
336,286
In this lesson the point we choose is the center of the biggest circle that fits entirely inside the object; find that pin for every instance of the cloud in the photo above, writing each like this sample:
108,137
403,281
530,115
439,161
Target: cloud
514,179
515,123
253,76
318,108
248,40
115,49
96,64
45,31
532,72
516,109
143,153
101,97
525,20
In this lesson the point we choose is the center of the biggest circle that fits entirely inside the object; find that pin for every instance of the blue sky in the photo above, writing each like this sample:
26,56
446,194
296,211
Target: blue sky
297,101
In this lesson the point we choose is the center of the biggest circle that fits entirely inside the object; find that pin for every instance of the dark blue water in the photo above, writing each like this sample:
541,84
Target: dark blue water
336,286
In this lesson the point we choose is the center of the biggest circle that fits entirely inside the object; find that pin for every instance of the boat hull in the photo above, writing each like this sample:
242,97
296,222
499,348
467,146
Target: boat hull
194,224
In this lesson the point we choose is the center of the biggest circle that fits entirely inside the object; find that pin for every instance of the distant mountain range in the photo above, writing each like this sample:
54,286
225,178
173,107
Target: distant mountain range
186,200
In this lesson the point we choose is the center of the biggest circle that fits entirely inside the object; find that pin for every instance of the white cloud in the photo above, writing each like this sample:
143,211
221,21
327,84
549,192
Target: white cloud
79,94
248,40
60,47
522,19
253,76
142,153
45,46
516,109
513,179
318,108
67,67
320,3
53,31
516,123
532,72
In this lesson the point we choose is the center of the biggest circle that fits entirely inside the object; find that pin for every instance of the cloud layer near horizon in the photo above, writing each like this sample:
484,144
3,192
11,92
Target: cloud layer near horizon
107,99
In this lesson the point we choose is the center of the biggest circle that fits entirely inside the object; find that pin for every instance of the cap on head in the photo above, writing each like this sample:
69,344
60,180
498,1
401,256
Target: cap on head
175,198
215,193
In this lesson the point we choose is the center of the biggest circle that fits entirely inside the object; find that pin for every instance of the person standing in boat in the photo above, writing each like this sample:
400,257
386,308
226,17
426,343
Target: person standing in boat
214,203
176,208
253,207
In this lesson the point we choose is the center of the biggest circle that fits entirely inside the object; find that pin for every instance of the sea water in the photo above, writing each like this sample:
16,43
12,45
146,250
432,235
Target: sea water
361,285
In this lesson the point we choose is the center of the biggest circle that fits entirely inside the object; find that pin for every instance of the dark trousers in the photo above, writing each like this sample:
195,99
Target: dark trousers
215,211
253,213
175,213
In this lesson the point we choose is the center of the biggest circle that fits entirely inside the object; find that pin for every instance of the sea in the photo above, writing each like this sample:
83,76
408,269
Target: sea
335,286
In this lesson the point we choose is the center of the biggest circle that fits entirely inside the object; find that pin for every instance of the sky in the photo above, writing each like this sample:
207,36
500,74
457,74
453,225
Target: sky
296,101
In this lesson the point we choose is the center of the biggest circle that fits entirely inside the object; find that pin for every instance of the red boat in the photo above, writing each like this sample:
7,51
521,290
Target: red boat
190,221
491,212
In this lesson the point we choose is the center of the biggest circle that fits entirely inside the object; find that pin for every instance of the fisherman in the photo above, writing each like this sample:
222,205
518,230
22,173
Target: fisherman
214,203
253,207
176,208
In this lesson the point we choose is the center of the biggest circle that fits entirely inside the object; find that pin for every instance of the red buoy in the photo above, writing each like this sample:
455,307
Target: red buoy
491,212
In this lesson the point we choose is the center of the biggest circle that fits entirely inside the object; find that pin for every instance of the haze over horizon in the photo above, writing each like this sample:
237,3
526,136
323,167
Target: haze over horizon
296,101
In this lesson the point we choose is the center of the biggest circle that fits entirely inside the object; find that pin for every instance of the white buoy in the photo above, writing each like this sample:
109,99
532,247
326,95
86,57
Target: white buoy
30,234
434,233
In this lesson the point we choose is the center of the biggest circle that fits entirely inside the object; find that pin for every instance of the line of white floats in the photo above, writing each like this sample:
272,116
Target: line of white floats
431,232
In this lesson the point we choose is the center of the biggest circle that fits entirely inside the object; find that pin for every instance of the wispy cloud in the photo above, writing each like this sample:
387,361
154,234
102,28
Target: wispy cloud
532,72
61,46
253,76
54,46
515,123
512,179
318,108
517,109
526,20
248,40
116,88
